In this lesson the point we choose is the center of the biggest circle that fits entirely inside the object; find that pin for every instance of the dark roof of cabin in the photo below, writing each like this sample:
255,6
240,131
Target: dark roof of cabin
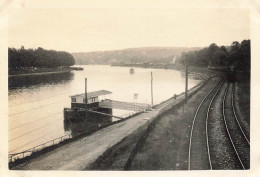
93,94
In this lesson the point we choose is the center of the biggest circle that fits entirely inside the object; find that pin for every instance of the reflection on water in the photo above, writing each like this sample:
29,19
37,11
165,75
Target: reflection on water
35,80
88,125
36,103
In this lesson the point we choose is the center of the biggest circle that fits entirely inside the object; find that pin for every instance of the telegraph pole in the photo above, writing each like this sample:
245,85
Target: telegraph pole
86,95
186,79
152,88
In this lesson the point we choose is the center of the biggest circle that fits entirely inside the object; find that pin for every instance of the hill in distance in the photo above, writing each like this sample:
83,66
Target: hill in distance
131,55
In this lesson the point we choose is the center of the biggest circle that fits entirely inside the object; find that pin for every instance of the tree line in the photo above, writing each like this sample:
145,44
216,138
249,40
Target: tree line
39,57
237,56
141,55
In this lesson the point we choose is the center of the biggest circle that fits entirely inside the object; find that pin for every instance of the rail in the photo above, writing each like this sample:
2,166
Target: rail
208,111
236,135
20,155
230,138
233,108
193,123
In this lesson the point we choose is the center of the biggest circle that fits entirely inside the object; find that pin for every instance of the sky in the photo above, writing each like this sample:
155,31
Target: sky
97,29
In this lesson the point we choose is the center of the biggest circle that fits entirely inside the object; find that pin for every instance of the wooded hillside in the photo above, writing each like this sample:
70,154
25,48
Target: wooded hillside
131,56
38,58
237,55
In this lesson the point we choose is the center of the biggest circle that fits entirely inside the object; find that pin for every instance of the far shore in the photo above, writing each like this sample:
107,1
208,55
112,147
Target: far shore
152,65
168,66
40,71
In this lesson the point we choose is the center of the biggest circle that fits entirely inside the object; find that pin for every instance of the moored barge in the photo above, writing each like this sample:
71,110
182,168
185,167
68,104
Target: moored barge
79,105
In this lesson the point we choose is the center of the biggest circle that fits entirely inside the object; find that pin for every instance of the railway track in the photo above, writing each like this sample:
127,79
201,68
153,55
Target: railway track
237,120
217,139
212,81
199,152
199,146
237,137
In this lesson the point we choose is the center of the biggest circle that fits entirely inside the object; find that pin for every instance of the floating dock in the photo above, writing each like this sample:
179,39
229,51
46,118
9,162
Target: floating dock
97,102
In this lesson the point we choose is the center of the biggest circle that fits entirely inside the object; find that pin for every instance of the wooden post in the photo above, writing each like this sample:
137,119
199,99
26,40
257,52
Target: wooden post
152,88
186,80
86,95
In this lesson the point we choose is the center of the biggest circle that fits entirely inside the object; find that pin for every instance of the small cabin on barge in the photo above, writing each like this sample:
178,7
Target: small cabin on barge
78,105
78,101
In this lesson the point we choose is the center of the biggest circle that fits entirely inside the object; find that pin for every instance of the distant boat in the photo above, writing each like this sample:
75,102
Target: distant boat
77,68
132,71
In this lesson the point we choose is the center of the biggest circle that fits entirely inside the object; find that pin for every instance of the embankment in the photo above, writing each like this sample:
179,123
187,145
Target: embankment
37,74
31,71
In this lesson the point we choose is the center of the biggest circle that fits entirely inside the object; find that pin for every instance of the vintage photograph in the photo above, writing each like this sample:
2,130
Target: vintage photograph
129,89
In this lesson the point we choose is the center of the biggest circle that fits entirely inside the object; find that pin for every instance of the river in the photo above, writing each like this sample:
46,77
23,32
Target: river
36,102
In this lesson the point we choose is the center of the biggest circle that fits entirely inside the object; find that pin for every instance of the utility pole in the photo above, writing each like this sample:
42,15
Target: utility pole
186,79
152,88
86,95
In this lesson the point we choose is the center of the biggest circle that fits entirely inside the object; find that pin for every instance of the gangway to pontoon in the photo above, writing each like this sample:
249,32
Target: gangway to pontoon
112,104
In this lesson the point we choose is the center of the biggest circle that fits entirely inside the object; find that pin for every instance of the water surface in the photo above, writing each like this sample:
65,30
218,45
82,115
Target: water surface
36,102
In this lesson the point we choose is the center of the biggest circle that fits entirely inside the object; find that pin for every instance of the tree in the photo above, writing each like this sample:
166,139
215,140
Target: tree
237,56
38,58
210,54
244,62
219,58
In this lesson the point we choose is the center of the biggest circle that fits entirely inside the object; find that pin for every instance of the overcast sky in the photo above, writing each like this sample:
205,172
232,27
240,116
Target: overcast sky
80,30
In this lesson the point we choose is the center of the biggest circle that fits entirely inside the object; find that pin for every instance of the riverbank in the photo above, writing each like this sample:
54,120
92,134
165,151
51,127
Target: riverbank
198,71
27,71
162,66
147,65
